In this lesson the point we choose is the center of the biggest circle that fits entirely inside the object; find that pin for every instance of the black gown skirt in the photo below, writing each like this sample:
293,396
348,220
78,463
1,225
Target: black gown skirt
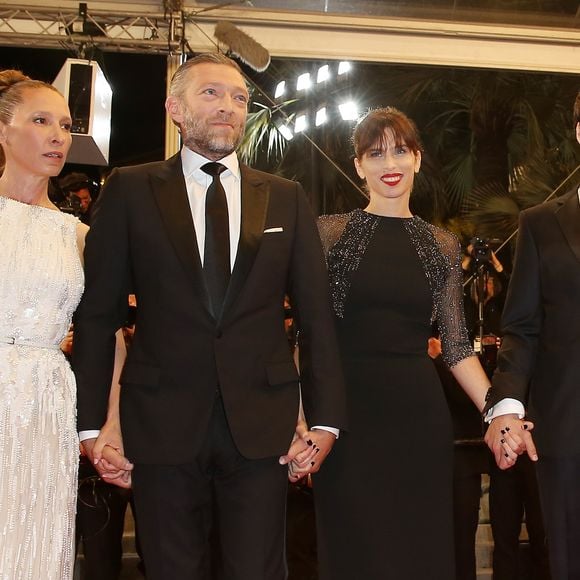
384,494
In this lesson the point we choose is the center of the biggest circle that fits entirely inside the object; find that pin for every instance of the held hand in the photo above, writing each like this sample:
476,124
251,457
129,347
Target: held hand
118,468
67,343
107,455
508,436
112,466
320,443
298,448
323,441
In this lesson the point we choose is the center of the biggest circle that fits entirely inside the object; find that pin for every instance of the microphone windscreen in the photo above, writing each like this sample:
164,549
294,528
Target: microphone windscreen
242,45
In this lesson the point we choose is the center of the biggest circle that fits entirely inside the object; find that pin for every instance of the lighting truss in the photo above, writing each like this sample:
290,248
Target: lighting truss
28,26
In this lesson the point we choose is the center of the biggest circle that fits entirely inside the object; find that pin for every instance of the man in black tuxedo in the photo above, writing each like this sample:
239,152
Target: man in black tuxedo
539,366
210,394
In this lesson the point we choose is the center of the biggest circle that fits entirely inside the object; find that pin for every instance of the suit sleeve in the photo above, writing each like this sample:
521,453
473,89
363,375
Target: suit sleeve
322,384
103,307
521,321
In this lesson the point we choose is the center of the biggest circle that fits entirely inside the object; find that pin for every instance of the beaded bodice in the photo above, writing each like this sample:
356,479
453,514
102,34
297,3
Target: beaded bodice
345,238
41,276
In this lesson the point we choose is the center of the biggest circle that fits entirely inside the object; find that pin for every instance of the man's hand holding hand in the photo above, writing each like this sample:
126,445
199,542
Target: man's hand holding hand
311,450
107,455
508,436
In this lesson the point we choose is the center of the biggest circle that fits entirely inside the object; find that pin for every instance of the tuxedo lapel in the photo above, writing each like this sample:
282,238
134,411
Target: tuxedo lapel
170,194
255,197
568,216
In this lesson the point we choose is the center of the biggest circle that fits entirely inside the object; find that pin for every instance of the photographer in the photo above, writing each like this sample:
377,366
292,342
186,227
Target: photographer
77,189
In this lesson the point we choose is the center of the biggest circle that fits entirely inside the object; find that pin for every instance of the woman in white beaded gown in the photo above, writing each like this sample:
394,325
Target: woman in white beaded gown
41,282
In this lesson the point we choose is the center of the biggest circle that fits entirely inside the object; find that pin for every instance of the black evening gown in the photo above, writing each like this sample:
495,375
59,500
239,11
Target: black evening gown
384,494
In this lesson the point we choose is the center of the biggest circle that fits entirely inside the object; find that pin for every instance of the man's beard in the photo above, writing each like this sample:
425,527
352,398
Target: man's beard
206,140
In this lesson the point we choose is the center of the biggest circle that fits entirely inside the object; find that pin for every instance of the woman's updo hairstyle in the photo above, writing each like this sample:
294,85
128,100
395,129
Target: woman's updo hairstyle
13,83
370,131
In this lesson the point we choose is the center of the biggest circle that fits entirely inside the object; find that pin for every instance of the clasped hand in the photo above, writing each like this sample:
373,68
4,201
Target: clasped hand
508,436
107,455
307,452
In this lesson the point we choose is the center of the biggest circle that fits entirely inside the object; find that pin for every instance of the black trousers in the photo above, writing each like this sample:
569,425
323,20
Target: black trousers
559,482
239,502
512,493
100,521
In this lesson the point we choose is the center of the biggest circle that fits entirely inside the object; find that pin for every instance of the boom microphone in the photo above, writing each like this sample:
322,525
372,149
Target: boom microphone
243,46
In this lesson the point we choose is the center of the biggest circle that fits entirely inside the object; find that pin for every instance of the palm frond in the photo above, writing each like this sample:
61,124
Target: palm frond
262,135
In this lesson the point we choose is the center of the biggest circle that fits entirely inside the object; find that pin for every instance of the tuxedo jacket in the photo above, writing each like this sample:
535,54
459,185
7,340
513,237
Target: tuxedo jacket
143,240
539,360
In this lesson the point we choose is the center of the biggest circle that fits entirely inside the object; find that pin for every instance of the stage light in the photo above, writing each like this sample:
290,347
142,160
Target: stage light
321,117
280,89
89,96
301,123
344,67
323,74
348,111
303,82
286,132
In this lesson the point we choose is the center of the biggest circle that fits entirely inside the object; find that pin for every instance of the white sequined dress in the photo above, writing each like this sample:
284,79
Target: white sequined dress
41,282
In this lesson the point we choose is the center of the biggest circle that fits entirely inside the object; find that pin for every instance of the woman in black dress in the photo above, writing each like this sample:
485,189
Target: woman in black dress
384,494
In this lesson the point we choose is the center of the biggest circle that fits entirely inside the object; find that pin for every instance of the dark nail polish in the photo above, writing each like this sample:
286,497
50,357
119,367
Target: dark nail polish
506,454
312,463
309,442
502,432
507,428
502,440
525,426
317,449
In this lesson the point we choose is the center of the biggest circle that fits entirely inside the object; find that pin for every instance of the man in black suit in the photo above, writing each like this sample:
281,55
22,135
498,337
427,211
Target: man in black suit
539,366
210,394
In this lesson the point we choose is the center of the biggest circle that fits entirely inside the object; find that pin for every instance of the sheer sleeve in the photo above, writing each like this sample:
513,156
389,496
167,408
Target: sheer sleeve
449,303
330,228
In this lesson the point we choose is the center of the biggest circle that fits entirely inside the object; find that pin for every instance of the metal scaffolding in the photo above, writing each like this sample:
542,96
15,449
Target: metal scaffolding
35,26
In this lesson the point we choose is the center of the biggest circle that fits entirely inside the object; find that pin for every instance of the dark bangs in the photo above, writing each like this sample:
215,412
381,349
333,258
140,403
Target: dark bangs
370,131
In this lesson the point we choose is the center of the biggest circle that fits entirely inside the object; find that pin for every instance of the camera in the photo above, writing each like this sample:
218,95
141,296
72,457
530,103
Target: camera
71,205
481,250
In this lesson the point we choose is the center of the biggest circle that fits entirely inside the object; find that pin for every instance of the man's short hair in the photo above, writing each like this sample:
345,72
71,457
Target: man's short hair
74,182
179,79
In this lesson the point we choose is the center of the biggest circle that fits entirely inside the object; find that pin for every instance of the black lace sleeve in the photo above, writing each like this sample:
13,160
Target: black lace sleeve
449,302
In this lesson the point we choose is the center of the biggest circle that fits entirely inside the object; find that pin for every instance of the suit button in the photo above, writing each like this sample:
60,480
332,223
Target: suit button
218,334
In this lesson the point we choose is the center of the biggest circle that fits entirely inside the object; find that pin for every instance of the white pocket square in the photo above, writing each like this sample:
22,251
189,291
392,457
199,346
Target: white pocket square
273,230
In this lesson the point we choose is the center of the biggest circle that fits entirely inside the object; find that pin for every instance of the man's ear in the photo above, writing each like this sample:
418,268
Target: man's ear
174,109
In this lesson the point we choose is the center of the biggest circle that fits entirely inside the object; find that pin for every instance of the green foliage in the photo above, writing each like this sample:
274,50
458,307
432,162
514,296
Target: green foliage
262,135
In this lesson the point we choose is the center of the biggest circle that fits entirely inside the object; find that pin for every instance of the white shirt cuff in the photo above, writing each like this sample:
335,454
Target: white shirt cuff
333,430
505,407
93,434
